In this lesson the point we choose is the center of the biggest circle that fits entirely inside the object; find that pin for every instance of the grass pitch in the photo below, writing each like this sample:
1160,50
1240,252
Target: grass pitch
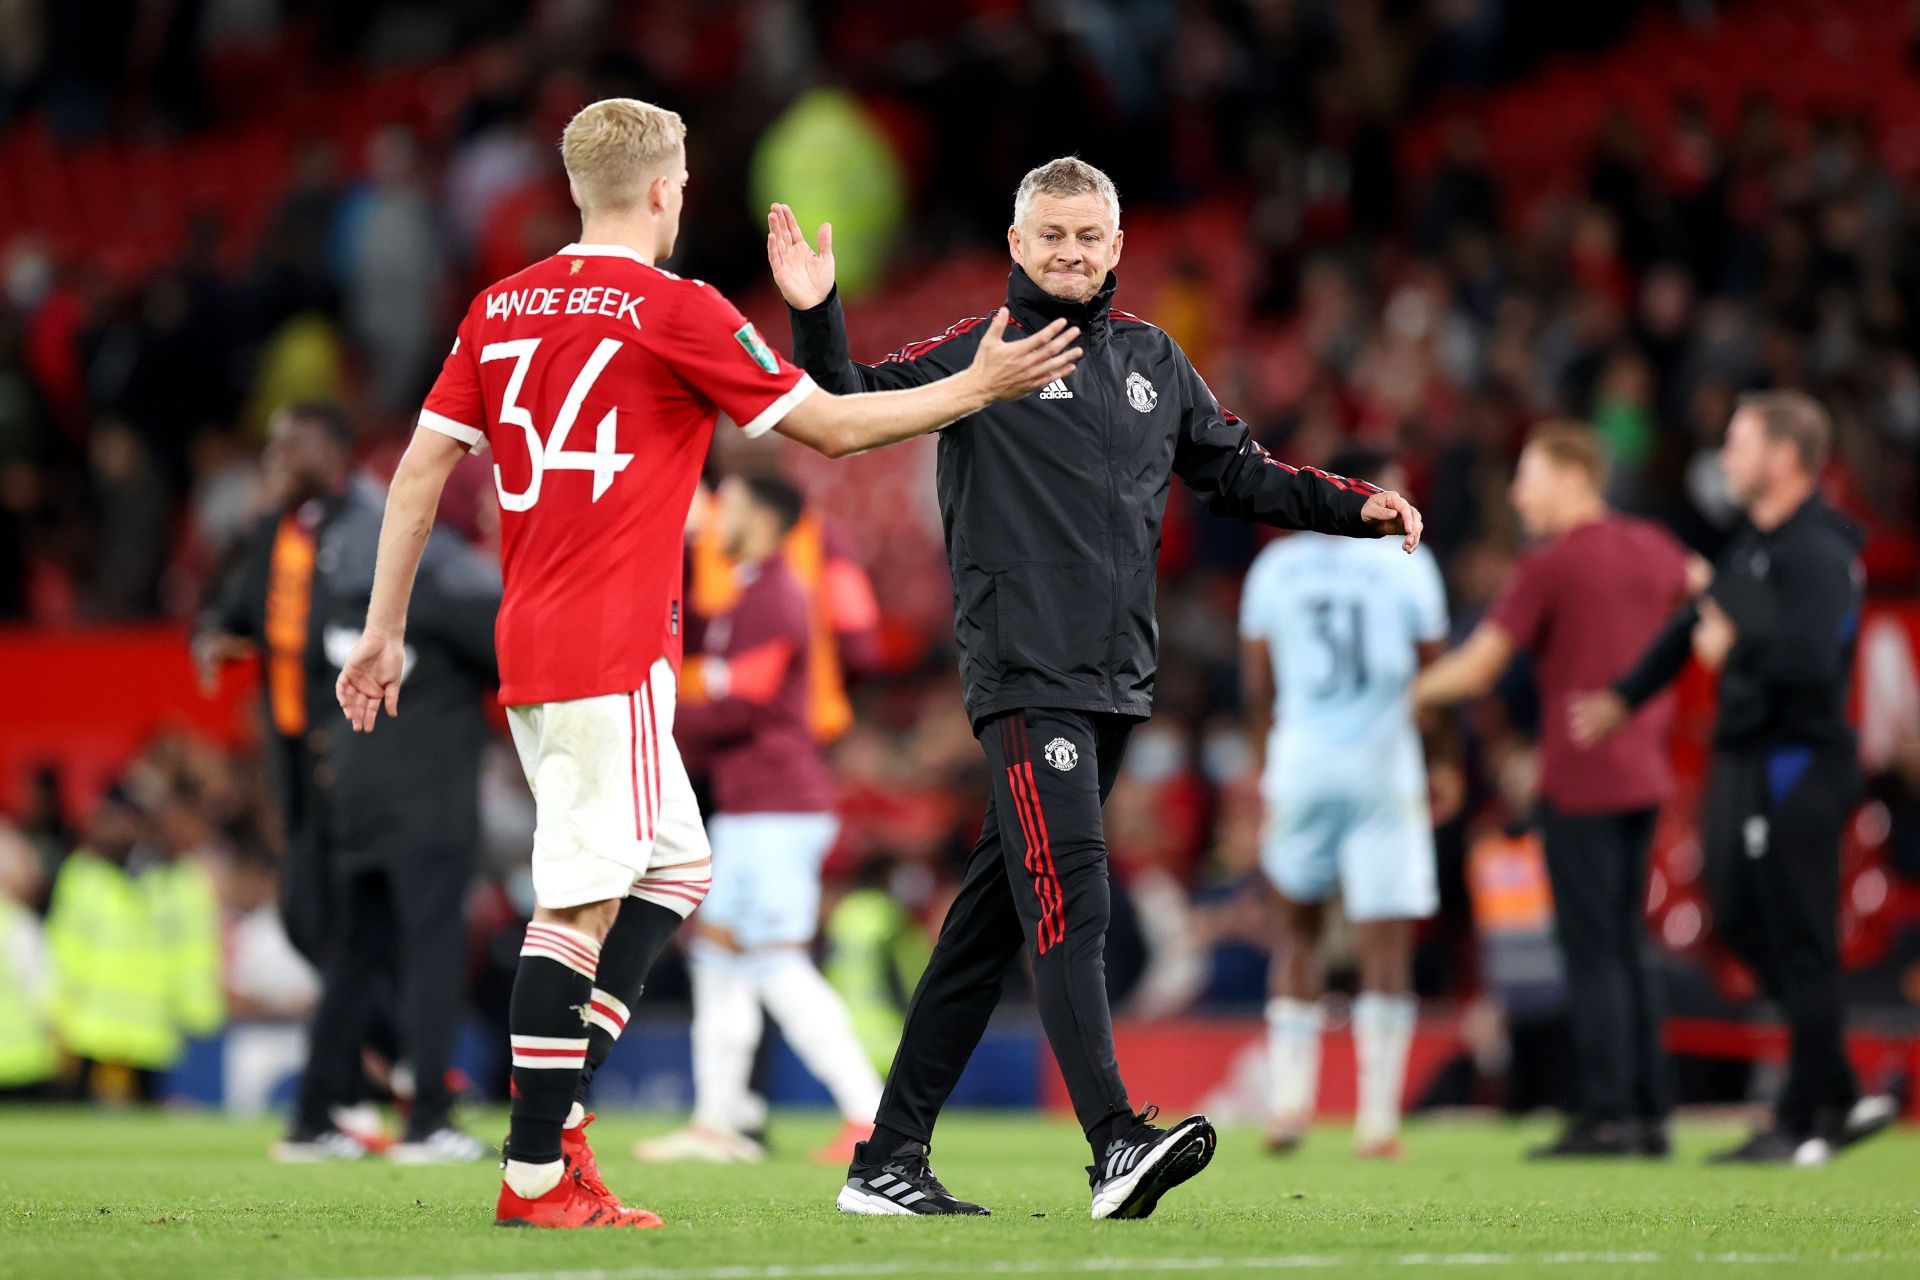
85,1194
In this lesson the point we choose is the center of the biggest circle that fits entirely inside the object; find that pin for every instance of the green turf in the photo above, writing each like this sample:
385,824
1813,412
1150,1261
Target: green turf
84,1194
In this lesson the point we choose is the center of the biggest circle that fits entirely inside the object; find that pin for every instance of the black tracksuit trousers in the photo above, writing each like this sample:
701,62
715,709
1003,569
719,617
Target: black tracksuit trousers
1772,833
1038,876
403,930
1597,864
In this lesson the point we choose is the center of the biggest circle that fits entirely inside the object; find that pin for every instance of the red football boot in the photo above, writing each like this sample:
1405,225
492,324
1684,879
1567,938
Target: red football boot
580,1159
840,1150
569,1205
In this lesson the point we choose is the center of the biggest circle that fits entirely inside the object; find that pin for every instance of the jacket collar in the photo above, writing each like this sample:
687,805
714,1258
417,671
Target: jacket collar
1035,308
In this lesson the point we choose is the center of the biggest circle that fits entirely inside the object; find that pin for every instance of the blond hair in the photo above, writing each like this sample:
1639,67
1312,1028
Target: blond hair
1067,176
614,147
1572,444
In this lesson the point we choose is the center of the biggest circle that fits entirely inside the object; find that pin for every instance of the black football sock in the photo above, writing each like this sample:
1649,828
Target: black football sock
1102,1134
547,1020
888,1142
639,934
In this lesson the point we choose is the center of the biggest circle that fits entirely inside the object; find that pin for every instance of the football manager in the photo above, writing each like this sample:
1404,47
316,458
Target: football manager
1052,507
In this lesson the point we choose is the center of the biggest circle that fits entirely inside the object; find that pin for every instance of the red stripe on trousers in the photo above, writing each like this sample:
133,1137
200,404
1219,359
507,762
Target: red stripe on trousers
1046,854
1051,906
1033,828
1046,844
1028,839
1013,740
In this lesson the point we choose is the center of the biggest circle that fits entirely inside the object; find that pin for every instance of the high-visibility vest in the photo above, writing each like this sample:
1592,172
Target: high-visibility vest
187,915
136,960
1512,904
716,587
876,953
26,989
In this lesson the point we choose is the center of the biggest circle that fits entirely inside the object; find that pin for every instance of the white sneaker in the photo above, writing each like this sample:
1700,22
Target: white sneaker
1814,1153
364,1124
442,1146
321,1148
701,1144
1868,1117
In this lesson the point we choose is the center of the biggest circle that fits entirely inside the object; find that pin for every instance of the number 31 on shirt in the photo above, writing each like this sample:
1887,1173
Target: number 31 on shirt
551,453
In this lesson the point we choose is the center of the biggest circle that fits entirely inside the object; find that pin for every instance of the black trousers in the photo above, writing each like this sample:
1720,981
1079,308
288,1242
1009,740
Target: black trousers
1038,876
402,929
309,893
1597,865
1772,833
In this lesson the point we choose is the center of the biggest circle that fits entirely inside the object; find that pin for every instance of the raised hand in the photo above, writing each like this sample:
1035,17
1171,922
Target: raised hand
1010,370
803,274
1388,513
1592,717
370,679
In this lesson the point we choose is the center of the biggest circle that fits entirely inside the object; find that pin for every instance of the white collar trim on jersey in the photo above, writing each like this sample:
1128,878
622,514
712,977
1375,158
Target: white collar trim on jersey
602,251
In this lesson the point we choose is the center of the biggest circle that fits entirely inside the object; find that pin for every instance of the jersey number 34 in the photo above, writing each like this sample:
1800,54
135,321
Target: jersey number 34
551,453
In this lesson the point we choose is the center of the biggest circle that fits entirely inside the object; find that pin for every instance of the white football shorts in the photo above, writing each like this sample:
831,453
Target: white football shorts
614,813
766,876
1378,851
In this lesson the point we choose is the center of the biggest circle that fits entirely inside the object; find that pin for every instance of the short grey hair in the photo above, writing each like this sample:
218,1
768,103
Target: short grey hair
1067,176
1795,418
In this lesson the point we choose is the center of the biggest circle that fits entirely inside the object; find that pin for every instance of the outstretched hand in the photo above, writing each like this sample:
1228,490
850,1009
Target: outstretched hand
1388,513
370,679
1010,370
1593,717
803,274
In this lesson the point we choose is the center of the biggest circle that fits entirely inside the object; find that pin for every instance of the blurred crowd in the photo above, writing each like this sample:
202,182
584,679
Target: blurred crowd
1332,291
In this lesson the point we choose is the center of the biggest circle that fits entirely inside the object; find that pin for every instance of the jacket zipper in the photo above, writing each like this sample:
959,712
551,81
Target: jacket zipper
1113,516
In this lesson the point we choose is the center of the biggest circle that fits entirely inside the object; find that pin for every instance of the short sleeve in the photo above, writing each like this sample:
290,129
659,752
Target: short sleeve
1673,558
454,407
1428,596
1254,593
1521,608
717,352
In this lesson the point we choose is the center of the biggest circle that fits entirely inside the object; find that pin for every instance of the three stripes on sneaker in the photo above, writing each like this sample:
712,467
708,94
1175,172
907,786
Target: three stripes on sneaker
895,1189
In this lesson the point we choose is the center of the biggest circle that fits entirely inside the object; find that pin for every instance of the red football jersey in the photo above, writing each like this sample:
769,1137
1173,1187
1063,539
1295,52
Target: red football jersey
596,380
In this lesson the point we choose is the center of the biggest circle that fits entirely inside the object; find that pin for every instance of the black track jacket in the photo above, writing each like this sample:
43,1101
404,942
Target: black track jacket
1794,595
1052,504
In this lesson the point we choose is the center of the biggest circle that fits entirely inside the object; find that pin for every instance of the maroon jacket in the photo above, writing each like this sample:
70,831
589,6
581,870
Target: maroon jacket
743,701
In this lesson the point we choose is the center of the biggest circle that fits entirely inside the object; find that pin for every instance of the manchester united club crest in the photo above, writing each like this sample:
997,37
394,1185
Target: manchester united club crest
1061,754
1140,393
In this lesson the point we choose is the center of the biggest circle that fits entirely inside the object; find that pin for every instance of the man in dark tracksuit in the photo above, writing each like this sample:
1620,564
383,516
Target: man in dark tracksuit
1779,624
405,833
263,607
1052,509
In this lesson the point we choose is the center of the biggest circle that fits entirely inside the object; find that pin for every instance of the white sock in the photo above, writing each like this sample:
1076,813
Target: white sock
815,1021
1293,1059
1382,1036
531,1181
576,1117
726,1028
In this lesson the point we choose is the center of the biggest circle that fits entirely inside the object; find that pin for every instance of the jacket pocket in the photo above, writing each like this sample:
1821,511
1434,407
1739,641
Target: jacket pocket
1054,621
976,627
1136,654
